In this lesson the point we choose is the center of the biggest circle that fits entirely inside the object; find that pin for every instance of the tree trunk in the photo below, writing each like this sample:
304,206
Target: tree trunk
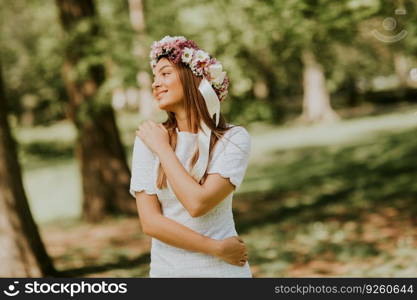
147,106
316,99
351,90
273,89
402,71
105,174
22,251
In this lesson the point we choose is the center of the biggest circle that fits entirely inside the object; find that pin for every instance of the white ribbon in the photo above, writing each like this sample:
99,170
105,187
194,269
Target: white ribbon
213,107
212,101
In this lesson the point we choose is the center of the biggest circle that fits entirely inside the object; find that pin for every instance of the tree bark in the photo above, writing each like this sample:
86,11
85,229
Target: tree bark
401,69
316,99
267,75
105,174
23,253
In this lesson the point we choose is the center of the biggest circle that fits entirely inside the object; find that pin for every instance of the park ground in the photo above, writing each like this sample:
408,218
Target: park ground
317,201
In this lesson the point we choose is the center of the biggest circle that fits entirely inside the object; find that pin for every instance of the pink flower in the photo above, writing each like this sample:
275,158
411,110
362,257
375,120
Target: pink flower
199,63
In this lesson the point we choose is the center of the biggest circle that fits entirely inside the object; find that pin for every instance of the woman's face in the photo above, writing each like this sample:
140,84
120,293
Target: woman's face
166,87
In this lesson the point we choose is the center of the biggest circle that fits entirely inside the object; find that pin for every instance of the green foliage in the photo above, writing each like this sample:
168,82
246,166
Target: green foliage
32,58
314,199
332,208
325,201
258,42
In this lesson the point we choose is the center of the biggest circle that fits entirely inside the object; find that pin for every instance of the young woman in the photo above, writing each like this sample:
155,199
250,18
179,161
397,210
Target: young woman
185,170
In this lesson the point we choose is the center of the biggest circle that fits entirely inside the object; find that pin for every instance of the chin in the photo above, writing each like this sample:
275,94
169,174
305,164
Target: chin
164,106
167,105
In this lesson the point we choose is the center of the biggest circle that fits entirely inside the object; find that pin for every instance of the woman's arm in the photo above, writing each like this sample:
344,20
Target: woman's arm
197,199
154,224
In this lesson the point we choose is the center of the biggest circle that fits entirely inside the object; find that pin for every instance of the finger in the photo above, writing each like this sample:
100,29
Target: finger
239,263
163,127
146,124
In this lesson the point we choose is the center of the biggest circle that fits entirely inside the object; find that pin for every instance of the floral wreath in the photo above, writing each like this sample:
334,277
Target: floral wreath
179,49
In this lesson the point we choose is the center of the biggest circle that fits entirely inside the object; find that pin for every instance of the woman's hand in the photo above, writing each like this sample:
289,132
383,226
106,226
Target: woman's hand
154,135
233,251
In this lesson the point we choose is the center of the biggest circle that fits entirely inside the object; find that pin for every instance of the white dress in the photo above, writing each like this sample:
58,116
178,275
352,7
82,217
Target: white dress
230,160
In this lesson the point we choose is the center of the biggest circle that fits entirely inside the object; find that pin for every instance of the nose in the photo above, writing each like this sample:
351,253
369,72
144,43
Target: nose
155,84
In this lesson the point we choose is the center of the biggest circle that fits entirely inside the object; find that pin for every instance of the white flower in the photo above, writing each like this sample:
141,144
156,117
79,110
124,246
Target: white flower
171,39
215,70
216,73
219,80
201,55
193,66
187,55
180,38
165,39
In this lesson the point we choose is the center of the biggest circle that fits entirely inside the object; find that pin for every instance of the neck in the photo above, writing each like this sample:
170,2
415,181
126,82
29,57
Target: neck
182,121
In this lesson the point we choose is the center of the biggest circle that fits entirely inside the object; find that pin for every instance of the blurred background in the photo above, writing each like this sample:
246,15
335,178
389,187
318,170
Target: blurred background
327,90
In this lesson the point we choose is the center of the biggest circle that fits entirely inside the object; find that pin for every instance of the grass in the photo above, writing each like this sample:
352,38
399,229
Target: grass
328,200
50,172
334,211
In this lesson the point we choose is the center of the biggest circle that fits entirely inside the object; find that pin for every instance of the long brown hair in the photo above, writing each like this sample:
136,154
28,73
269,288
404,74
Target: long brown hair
196,110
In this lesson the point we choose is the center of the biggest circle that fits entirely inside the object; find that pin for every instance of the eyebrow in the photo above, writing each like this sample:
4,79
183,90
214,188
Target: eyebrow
164,67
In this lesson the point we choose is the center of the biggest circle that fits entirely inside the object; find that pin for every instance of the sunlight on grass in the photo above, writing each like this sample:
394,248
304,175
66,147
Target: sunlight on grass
343,132
328,200
62,131
54,192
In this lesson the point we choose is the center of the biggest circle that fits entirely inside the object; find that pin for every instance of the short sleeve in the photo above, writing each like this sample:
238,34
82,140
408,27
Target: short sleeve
231,155
143,169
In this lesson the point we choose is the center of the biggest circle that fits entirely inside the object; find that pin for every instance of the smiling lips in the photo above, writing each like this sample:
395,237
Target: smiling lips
160,93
